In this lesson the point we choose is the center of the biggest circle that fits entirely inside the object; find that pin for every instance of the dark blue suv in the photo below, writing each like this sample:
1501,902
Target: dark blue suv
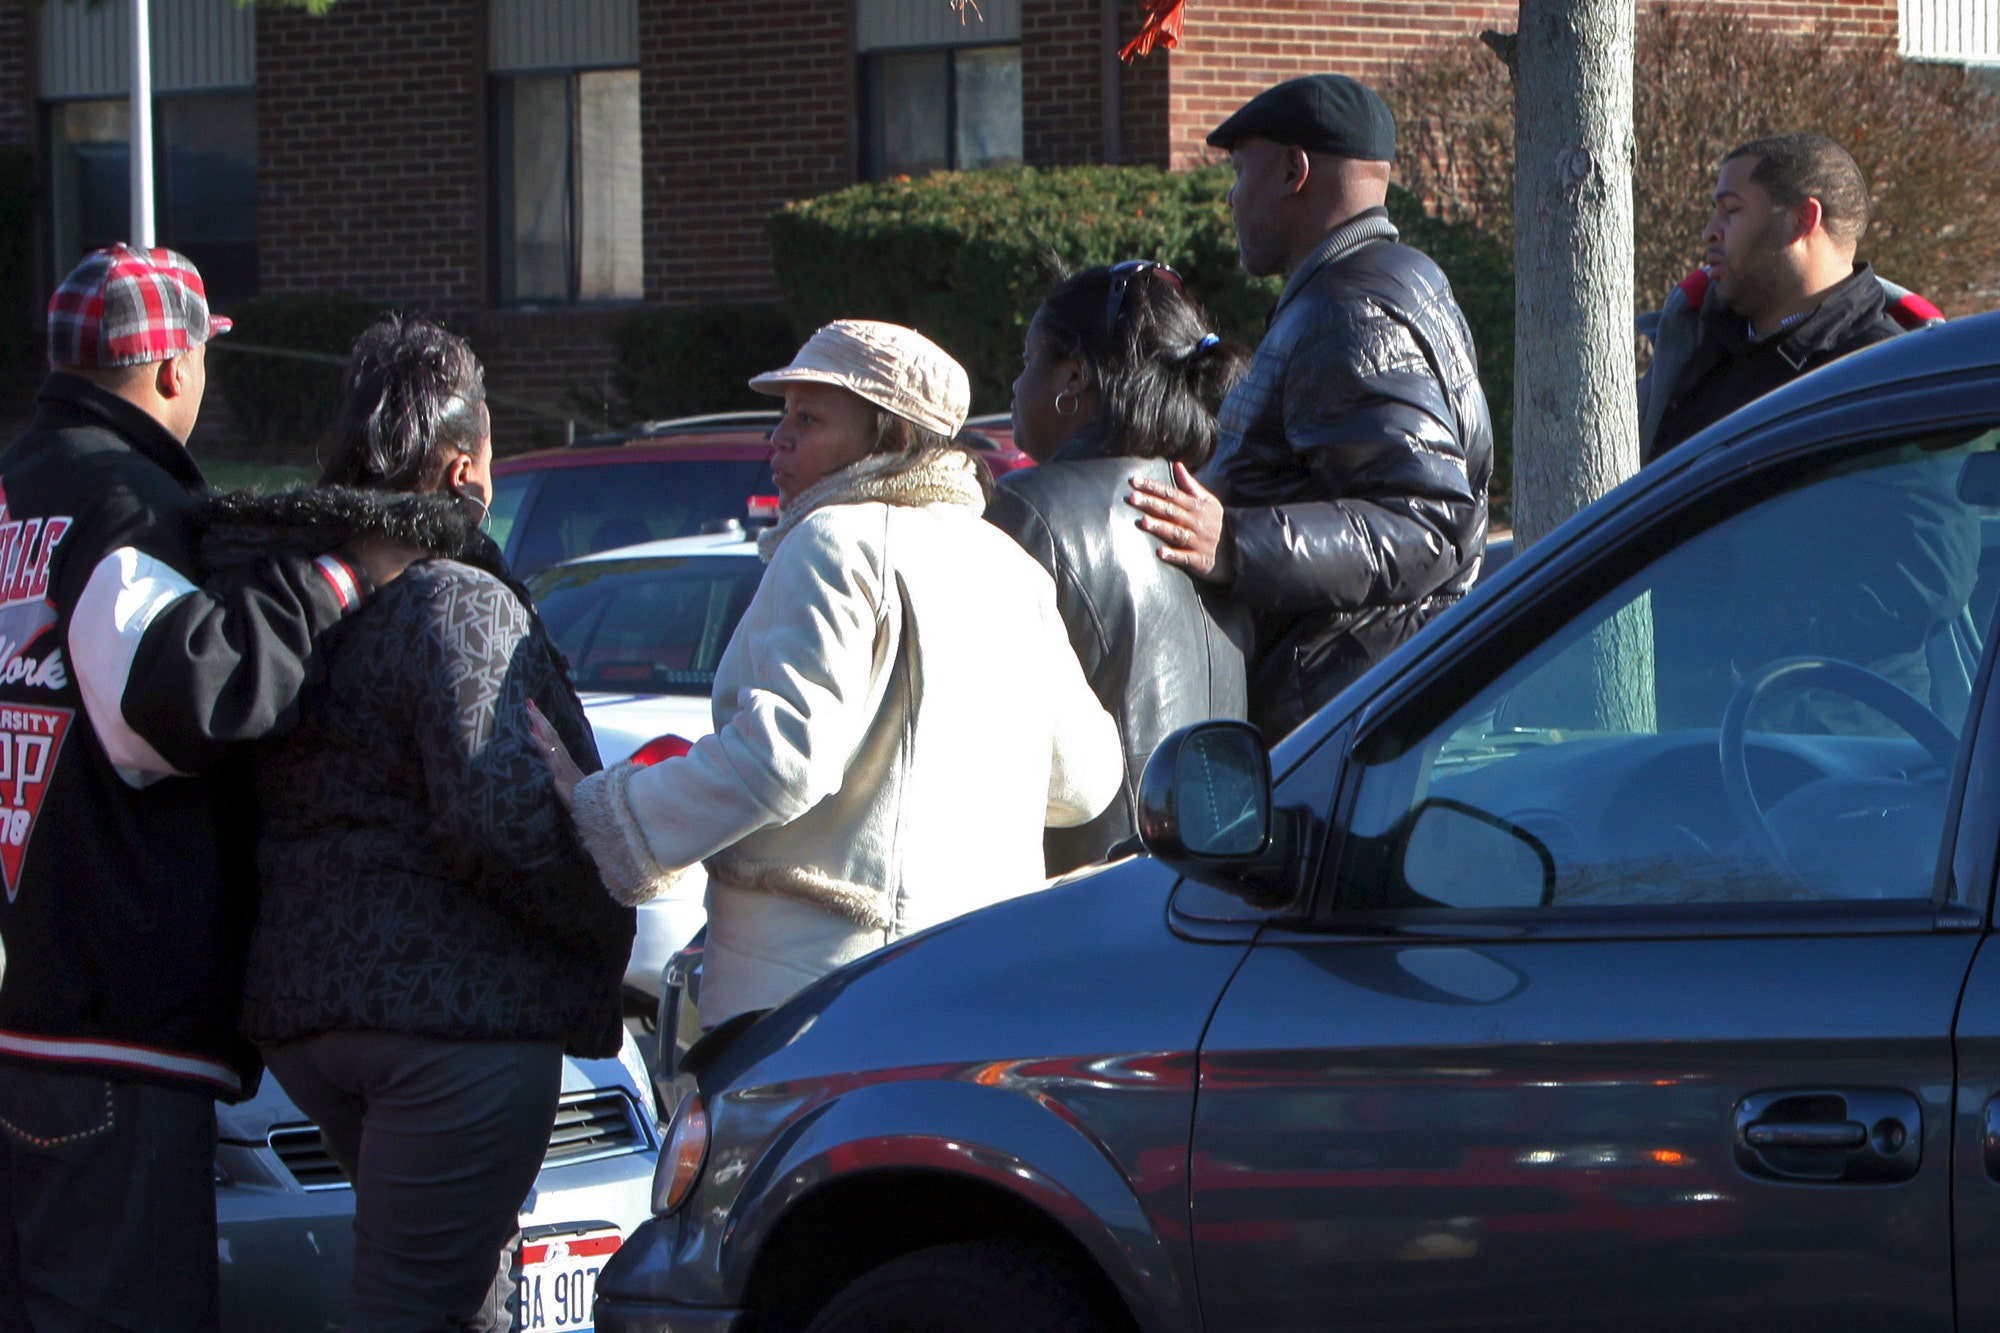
1617,955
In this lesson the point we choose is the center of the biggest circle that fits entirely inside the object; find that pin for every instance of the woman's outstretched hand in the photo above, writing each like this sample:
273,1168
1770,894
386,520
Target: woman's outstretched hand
561,767
1189,522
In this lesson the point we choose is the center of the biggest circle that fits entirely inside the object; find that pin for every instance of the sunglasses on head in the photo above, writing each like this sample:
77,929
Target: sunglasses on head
1122,276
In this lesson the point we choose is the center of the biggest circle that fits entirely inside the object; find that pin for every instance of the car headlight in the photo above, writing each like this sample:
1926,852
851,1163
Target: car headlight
680,1161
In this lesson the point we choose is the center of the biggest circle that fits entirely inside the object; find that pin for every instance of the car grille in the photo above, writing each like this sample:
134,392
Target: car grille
595,1124
300,1149
589,1125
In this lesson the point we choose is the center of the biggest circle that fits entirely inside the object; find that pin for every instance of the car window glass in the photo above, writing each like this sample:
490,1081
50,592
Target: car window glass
647,626
584,510
509,490
1767,711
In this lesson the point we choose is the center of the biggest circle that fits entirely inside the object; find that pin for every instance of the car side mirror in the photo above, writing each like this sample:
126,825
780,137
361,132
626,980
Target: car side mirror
1456,855
1205,810
1979,481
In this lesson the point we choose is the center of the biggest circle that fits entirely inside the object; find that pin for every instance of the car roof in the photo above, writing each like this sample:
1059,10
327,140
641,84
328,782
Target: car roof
714,437
670,548
1957,355
705,447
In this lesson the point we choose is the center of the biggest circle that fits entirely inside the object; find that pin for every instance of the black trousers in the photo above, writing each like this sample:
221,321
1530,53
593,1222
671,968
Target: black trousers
442,1140
107,1203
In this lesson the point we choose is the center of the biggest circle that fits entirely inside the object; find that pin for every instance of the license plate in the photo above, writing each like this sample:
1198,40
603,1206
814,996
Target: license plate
559,1277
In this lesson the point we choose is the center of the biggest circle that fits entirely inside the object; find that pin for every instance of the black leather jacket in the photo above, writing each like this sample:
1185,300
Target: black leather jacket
1354,458
1151,642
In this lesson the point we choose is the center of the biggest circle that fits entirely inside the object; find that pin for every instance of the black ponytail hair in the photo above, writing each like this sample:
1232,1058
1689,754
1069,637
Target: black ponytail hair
1161,373
416,395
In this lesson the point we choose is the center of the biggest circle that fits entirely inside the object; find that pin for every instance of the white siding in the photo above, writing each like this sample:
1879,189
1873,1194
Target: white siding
1966,32
87,49
885,25
562,34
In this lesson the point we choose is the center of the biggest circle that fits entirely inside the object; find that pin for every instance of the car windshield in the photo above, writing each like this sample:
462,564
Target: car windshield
646,626
584,510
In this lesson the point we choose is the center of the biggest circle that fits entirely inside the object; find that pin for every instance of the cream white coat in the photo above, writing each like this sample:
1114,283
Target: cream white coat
897,718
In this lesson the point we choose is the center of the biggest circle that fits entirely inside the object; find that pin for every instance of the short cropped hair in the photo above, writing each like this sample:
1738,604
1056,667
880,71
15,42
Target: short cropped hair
1793,168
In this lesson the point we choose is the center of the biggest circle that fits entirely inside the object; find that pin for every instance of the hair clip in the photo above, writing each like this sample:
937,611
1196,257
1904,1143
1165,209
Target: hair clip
1208,340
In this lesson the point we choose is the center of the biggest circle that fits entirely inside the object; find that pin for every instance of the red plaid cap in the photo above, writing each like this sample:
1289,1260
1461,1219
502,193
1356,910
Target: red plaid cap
125,307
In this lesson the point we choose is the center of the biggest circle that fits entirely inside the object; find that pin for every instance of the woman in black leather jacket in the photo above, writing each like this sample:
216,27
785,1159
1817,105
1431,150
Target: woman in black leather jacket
1121,377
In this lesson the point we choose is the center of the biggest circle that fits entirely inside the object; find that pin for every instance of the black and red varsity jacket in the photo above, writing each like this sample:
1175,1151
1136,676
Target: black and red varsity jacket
127,826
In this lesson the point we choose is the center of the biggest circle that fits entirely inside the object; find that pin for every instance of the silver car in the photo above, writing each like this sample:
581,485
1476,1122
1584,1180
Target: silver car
643,628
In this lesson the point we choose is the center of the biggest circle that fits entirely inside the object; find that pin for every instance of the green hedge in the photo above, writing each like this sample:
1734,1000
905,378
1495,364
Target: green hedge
280,368
967,256
687,360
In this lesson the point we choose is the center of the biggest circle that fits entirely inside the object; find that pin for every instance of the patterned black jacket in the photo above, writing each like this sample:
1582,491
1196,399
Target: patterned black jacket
419,875
1354,457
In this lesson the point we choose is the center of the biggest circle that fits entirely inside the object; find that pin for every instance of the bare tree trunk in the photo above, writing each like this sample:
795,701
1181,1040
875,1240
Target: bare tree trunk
1576,420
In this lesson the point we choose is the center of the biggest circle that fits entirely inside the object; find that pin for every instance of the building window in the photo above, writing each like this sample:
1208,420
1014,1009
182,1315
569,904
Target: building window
204,181
1964,32
204,132
955,109
567,179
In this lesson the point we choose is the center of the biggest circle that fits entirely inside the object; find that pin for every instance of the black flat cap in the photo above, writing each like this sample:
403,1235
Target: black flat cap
1322,113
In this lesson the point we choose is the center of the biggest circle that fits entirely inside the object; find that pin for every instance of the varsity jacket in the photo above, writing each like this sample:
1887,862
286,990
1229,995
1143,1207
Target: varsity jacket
130,882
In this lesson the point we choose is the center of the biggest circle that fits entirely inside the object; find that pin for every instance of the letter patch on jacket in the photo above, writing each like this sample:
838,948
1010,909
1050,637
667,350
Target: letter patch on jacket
27,546
31,738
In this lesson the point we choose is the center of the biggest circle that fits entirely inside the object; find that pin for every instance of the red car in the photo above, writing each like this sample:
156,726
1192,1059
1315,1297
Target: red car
662,479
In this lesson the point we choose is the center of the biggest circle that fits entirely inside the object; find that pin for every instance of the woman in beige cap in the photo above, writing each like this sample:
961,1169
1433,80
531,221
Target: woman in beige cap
861,782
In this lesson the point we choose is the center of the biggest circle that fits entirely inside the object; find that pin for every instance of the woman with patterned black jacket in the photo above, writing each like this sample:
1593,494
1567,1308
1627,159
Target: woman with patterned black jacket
432,938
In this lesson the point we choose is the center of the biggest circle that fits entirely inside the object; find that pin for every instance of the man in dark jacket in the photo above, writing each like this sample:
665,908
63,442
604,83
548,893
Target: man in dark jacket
1779,293
1346,503
130,885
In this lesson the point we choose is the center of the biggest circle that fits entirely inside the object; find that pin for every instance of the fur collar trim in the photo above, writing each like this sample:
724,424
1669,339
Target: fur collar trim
943,477
239,526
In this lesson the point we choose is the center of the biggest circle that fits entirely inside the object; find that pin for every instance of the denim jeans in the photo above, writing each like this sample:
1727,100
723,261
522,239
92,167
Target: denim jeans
107,1203
443,1140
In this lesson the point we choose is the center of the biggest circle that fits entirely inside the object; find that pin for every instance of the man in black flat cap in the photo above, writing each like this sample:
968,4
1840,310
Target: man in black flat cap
1346,502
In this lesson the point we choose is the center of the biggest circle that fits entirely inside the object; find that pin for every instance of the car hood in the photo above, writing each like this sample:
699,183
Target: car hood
1087,971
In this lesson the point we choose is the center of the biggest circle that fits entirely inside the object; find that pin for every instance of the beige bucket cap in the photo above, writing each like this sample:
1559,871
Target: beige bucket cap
892,367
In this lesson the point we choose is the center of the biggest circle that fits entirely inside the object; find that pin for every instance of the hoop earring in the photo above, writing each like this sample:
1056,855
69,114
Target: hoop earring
1074,403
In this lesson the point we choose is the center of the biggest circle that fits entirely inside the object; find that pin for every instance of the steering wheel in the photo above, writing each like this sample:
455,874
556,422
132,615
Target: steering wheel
1827,673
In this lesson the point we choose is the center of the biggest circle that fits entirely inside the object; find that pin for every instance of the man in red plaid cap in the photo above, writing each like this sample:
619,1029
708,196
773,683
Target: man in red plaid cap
129,880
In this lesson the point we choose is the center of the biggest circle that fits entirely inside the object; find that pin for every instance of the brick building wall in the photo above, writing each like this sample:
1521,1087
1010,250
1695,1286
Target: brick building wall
1147,90
372,147
736,117
1062,83
544,368
1232,50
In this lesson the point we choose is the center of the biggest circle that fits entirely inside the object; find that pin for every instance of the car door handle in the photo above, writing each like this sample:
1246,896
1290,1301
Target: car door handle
1852,1134
1847,1136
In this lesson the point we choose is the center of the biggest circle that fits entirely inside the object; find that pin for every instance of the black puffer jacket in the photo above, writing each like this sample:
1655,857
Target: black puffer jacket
419,874
1156,649
1354,458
